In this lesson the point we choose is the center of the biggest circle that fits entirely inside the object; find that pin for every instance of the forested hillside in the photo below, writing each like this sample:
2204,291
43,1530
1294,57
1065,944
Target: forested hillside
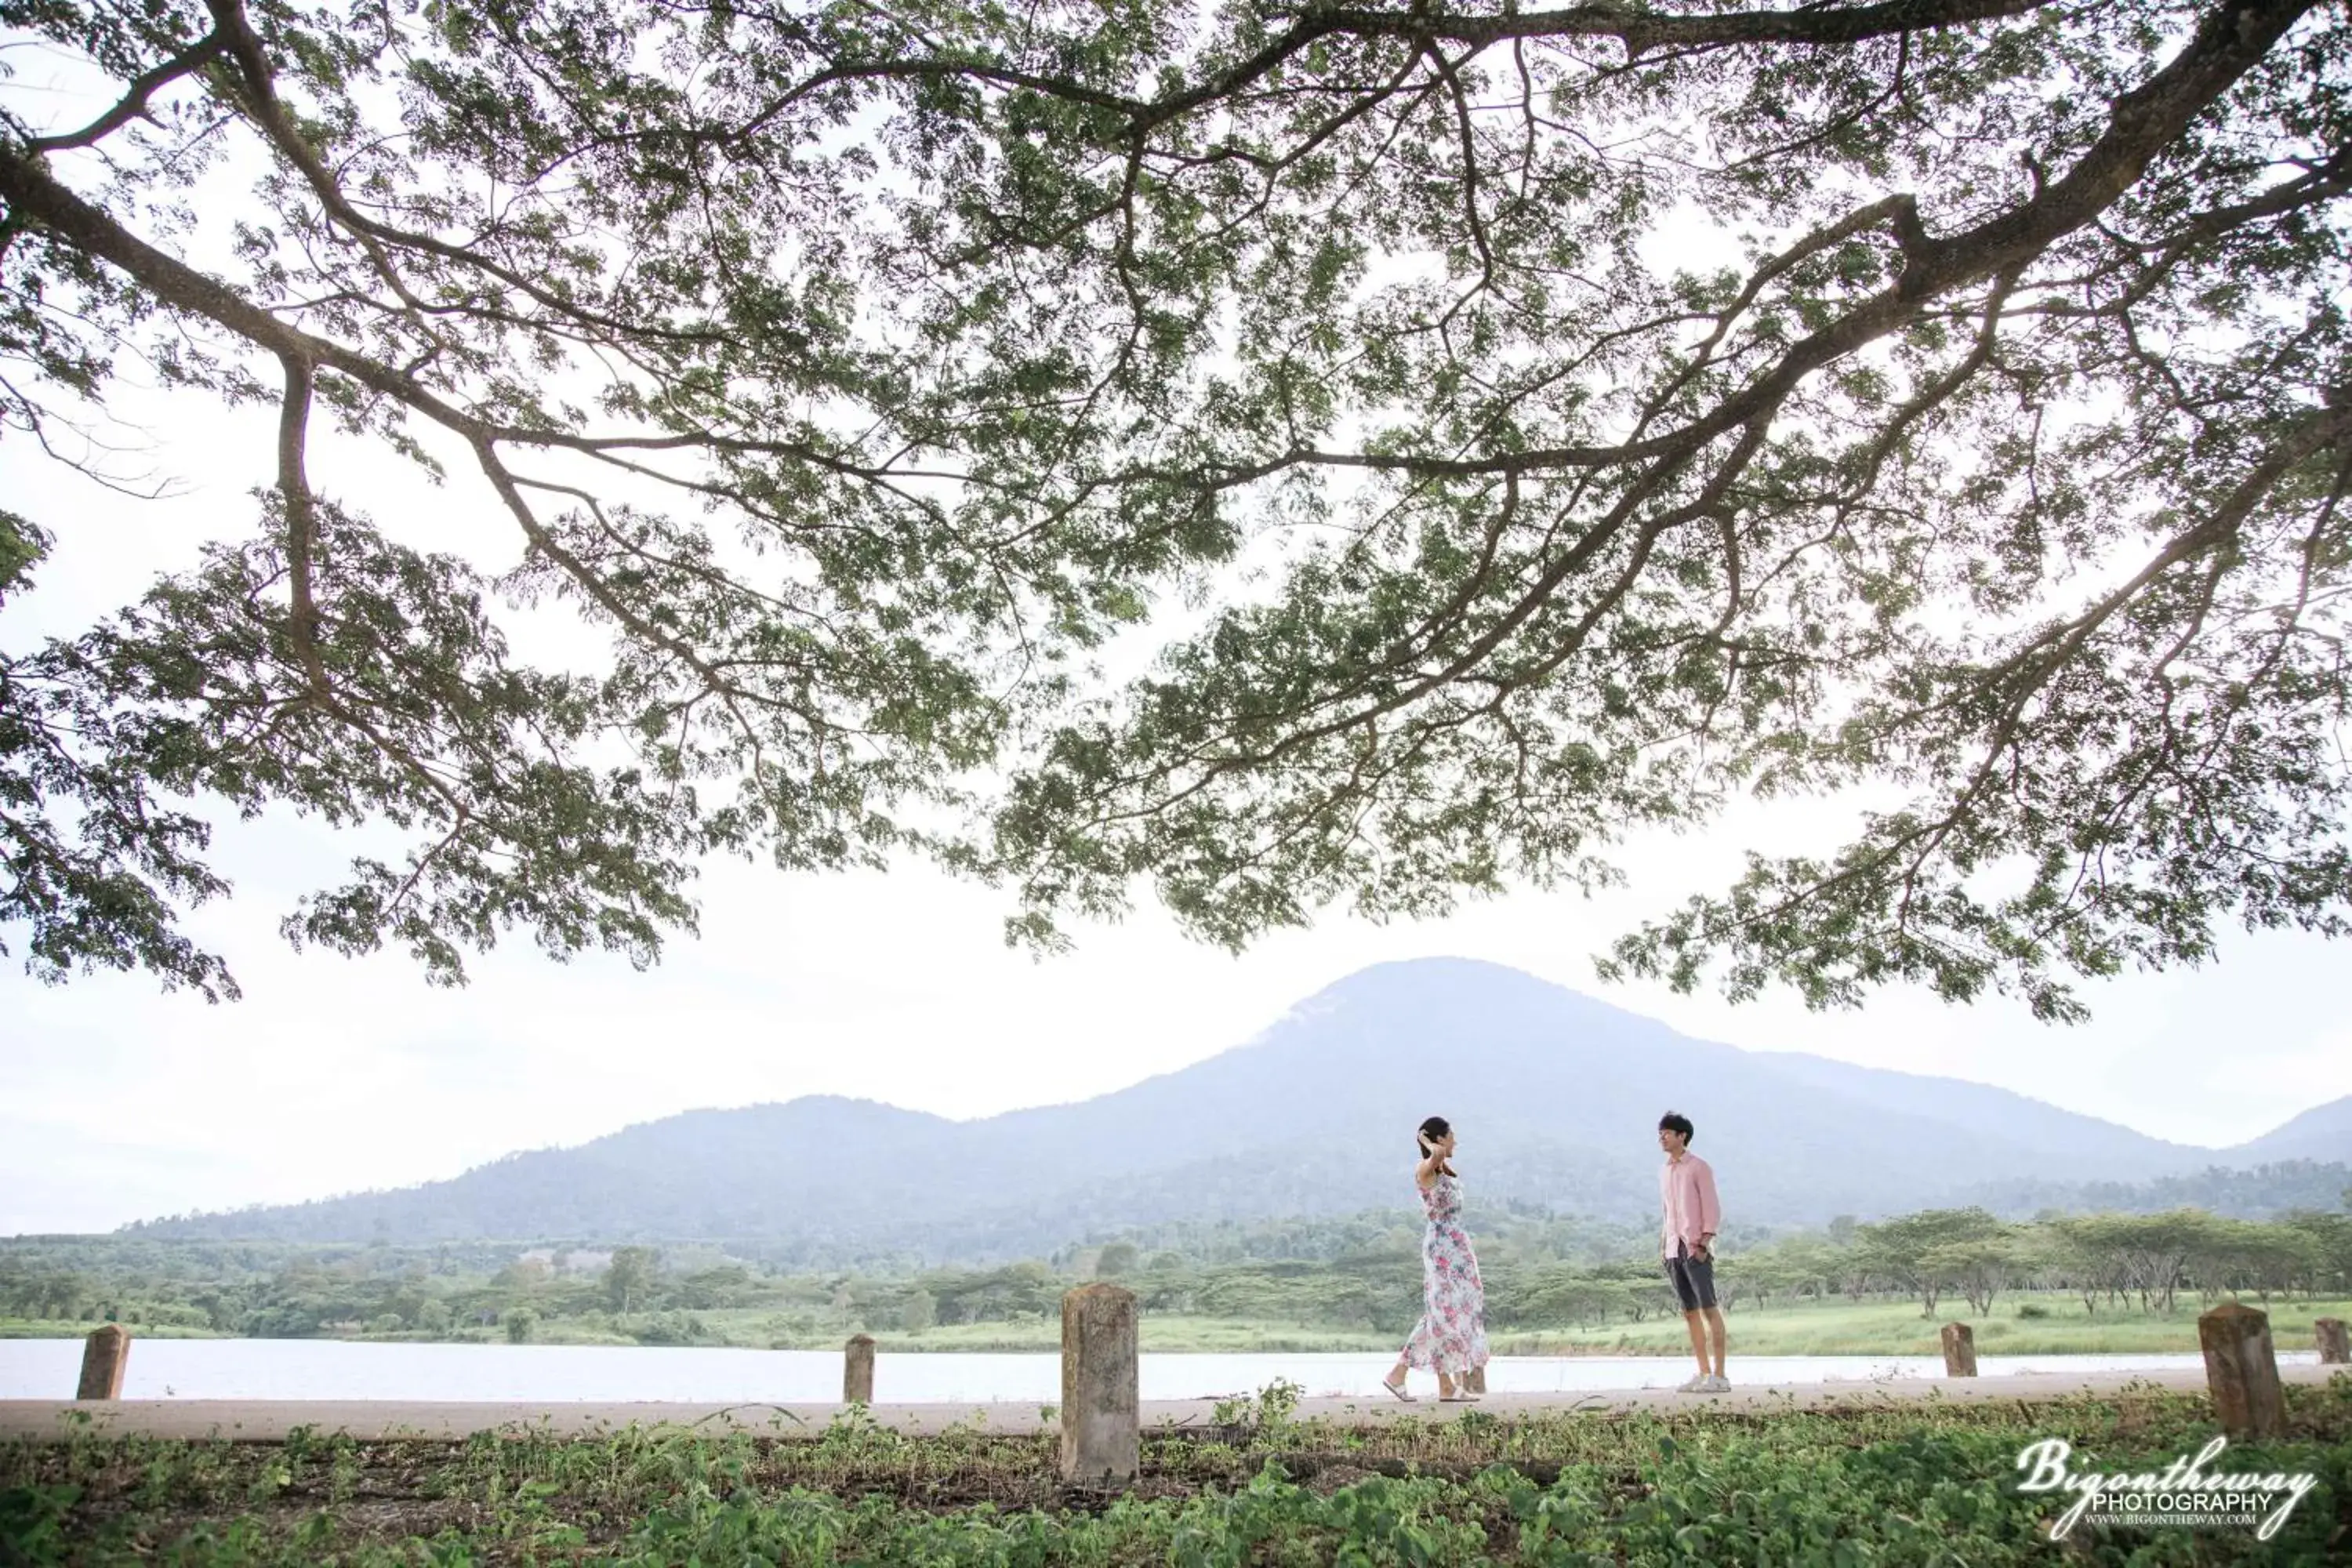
1556,1097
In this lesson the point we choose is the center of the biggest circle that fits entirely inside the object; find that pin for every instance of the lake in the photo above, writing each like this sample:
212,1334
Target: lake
341,1369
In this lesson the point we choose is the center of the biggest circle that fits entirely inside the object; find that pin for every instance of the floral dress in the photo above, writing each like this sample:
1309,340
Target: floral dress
1451,1337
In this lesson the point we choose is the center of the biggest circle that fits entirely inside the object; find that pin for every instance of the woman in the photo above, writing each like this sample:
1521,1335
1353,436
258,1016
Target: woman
1451,1338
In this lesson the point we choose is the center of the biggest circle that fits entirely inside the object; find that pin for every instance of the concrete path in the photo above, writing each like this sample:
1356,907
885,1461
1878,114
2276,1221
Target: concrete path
256,1420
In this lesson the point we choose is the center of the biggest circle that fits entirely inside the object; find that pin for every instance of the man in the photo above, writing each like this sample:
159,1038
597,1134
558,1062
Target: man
1686,1242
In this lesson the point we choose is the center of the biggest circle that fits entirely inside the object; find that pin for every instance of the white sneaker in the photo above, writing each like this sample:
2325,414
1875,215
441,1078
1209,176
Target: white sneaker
1714,1383
1694,1385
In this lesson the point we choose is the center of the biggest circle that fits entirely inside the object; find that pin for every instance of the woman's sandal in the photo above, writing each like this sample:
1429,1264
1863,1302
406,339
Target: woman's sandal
1398,1389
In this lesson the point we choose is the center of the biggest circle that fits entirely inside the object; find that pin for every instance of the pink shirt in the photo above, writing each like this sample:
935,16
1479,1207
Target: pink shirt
1686,1193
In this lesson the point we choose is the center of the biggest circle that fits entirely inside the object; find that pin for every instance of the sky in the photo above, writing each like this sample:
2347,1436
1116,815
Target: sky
117,1102
120,1102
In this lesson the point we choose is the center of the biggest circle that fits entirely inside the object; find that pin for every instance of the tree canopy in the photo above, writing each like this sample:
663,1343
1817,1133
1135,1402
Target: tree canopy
1560,421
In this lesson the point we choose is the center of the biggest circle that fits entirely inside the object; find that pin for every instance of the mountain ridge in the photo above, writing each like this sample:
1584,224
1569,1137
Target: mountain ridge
1556,1095
2302,1136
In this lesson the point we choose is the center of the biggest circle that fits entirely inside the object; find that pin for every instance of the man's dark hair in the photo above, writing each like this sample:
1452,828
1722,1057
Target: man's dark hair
1676,1121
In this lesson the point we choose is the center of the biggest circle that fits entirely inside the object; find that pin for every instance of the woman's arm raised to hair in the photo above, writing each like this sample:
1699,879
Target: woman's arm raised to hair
1431,1163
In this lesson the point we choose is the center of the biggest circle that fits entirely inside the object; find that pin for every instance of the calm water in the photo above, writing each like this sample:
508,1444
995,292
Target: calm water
335,1369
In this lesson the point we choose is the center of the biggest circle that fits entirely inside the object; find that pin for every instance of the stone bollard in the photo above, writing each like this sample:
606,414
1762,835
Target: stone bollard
2241,1370
857,1370
1960,1350
105,1357
1100,1409
2333,1345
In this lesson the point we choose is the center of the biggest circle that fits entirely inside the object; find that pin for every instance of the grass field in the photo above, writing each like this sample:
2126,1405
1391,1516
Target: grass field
1925,1484
1897,1328
1809,1328
74,1329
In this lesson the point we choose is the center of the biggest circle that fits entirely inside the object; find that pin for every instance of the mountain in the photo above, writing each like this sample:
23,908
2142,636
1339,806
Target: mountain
2118,1153
2323,1132
2262,1192
1556,1097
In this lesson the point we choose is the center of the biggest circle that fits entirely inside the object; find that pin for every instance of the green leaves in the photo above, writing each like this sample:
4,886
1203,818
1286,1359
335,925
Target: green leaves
1917,1485
1621,542
92,862
1569,421
22,545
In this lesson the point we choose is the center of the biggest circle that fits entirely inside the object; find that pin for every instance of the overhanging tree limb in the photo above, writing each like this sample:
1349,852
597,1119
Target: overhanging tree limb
966,344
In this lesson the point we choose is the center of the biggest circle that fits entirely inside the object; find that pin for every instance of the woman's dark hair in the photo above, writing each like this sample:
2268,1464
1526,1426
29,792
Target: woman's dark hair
1434,1129
1676,1121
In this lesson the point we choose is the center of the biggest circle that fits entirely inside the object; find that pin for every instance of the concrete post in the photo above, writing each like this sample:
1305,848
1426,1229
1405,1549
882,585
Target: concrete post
857,1370
1960,1350
1100,1409
2333,1345
2241,1370
105,1357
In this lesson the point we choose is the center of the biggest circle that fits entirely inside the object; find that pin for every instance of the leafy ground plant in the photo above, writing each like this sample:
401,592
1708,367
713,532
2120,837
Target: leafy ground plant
1922,1483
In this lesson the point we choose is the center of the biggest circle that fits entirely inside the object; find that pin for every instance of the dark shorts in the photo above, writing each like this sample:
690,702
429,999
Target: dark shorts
1692,1277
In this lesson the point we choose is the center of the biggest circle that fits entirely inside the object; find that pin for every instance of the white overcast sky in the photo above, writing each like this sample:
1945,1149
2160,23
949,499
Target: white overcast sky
118,1102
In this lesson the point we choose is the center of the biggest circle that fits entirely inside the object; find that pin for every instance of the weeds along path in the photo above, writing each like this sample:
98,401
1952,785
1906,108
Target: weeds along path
1918,1482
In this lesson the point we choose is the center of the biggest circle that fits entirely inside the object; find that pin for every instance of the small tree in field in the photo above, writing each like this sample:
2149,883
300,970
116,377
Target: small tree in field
1978,1267
2236,1256
1909,1250
2329,1249
630,1277
2150,1253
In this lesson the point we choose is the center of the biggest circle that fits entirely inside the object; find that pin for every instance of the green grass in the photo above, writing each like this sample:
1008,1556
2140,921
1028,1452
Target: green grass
73,1329
1921,1483
1897,1328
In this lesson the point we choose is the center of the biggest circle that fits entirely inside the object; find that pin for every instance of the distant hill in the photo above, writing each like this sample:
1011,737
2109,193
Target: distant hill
2262,1192
1556,1096
1996,1113
2323,1132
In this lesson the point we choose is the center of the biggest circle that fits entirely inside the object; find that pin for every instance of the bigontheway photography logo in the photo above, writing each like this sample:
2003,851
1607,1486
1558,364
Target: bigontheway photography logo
2195,1493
